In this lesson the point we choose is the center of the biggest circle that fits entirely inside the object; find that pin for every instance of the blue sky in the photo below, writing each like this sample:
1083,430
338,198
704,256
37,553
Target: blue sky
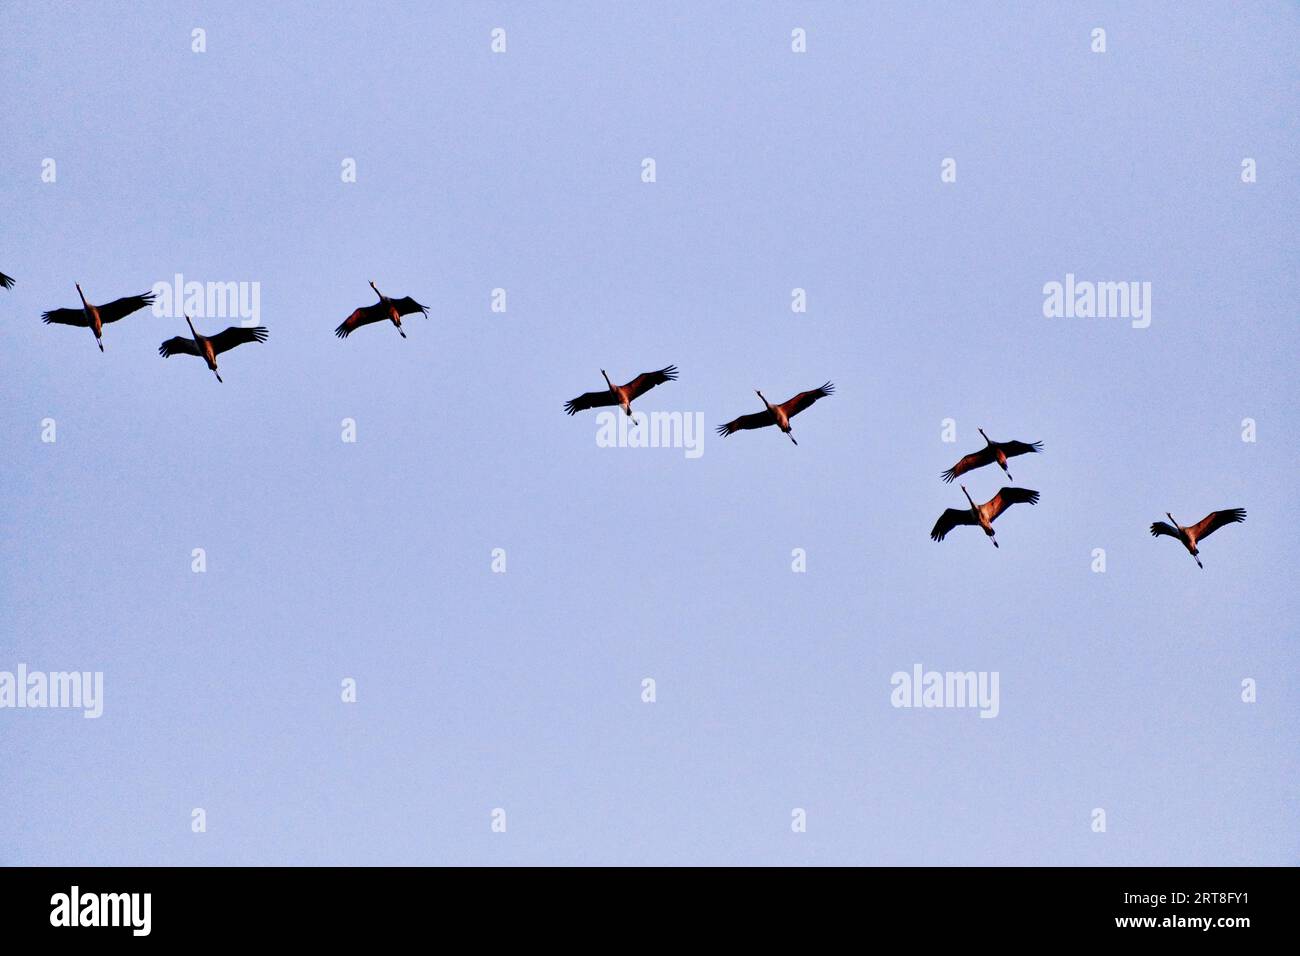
775,170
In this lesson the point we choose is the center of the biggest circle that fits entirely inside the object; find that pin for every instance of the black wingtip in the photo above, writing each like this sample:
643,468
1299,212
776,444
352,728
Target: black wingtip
1025,495
948,475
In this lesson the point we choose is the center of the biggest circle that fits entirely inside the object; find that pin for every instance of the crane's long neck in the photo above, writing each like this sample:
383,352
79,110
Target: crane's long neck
766,403
607,381
985,437
968,498
377,292
1171,519
192,331
84,303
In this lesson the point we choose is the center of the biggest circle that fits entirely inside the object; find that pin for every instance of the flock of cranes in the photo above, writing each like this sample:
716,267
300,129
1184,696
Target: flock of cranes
95,317
208,347
981,516
622,395
984,515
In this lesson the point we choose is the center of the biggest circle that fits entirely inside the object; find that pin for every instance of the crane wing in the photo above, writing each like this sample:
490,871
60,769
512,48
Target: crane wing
1163,527
801,401
590,400
406,305
1013,448
180,345
1216,520
648,380
236,335
65,317
5,281
949,520
976,459
1005,498
362,316
121,308
757,420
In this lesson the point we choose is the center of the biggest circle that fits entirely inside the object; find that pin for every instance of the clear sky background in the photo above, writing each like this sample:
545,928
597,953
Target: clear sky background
522,690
